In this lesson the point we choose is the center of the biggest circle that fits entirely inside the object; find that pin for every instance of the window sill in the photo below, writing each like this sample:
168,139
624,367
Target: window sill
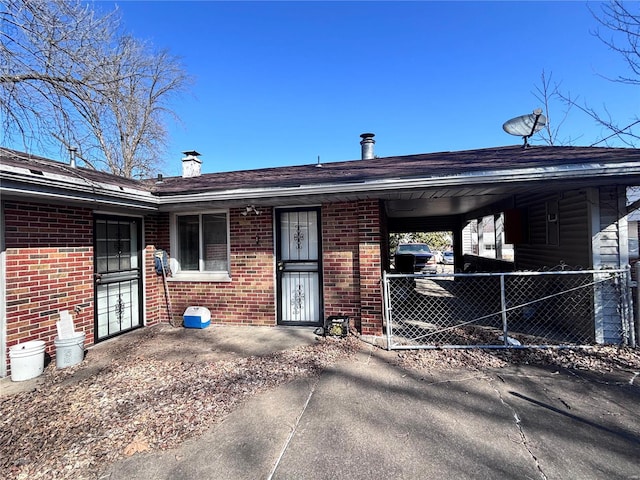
199,277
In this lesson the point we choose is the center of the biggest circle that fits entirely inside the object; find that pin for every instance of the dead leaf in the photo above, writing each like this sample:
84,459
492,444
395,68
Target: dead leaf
137,446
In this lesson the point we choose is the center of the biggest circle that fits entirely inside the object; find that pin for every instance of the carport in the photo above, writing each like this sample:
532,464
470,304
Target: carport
522,211
557,217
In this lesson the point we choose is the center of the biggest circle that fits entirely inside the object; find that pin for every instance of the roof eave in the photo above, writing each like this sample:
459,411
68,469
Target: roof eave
63,189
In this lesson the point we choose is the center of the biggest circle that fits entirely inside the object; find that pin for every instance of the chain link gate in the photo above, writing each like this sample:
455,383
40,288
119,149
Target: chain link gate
508,310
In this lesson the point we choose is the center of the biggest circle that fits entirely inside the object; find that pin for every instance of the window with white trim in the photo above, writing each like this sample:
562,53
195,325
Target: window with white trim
201,243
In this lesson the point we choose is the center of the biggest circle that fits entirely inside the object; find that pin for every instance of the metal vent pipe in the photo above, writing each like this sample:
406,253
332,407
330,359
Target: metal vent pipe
367,144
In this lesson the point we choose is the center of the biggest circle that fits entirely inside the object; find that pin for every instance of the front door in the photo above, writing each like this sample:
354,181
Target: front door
118,275
298,255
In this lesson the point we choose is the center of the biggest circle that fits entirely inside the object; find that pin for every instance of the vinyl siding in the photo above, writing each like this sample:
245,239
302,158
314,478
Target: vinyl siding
573,246
612,238
611,251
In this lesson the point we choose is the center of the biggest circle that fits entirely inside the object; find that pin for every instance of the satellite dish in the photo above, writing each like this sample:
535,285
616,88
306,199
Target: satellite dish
525,125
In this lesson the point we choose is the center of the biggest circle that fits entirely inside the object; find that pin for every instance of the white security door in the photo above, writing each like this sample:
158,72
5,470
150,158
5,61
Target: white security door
299,267
118,276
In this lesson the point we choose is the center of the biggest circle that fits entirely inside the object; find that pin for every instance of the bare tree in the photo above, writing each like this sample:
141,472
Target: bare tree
548,93
619,30
70,78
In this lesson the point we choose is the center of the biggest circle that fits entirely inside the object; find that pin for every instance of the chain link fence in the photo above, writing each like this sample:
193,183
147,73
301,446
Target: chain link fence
502,310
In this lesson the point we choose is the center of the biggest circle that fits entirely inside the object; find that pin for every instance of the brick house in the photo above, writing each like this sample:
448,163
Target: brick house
282,246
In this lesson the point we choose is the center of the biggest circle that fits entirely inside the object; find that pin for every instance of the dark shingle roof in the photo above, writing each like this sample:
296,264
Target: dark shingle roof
401,167
41,166
443,164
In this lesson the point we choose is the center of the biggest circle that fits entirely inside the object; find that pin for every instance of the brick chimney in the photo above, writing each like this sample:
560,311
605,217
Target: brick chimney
367,143
191,164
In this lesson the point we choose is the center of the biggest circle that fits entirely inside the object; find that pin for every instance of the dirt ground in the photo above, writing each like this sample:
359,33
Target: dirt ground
156,387
148,390
172,344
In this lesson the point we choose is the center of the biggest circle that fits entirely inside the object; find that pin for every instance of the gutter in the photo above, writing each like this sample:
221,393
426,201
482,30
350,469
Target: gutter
17,182
102,200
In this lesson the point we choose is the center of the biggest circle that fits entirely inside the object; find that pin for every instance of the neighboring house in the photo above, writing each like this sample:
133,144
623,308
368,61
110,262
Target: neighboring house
486,238
283,246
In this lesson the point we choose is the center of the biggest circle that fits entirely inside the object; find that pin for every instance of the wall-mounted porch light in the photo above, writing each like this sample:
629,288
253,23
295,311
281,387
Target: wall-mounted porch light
249,209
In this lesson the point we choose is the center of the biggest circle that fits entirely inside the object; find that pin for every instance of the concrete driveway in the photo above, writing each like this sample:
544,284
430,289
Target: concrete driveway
367,418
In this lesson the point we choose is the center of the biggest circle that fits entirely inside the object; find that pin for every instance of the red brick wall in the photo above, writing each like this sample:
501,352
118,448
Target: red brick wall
341,261
49,267
350,233
250,297
369,219
156,236
352,263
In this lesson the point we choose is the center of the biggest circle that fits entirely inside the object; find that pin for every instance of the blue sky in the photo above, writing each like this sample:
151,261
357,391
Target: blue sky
281,83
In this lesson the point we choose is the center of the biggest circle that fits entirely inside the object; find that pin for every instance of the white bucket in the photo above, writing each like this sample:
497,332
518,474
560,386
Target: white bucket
69,351
27,360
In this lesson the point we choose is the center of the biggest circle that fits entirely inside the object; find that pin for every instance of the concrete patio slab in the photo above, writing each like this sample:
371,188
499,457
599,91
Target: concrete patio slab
367,418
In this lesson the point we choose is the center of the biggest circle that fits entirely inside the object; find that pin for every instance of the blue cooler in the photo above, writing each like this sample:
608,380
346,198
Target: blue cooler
196,317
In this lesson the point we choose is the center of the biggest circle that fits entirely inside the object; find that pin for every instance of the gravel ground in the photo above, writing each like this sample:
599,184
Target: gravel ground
79,420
